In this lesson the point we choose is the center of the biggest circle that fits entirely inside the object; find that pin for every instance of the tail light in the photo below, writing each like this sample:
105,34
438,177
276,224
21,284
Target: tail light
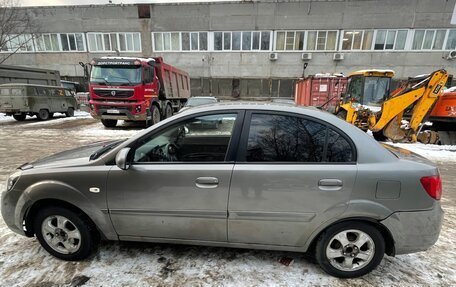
433,186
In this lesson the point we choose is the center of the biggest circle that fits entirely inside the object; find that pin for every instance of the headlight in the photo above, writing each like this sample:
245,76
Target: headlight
12,179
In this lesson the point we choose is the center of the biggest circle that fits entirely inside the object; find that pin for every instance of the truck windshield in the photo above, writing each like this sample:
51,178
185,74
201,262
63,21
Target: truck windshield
375,91
124,75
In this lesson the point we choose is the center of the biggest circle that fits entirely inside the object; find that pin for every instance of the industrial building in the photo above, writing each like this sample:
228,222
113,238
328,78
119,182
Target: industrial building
248,49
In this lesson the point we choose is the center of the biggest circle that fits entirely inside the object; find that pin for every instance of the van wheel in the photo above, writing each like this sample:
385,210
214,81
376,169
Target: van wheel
65,234
350,249
20,117
70,112
109,123
43,115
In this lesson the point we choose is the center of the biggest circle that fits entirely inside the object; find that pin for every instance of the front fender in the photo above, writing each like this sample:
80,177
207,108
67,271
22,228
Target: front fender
58,190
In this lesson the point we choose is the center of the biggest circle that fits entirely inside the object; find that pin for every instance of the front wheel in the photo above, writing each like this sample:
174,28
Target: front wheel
43,115
70,112
65,234
109,123
350,249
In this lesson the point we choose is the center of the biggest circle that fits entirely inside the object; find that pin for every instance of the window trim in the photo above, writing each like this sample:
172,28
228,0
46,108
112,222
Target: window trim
59,40
243,141
271,42
180,50
445,38
230,152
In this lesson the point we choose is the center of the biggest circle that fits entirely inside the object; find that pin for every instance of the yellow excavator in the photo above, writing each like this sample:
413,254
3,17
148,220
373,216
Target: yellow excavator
369,105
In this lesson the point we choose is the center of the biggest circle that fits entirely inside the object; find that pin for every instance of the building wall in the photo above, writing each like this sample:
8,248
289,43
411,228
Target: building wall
213,72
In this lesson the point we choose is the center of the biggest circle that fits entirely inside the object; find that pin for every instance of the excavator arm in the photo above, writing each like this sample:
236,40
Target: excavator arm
422,96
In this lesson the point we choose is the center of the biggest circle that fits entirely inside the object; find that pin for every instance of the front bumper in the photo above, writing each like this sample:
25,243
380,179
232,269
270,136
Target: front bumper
125,111
13,206
415,231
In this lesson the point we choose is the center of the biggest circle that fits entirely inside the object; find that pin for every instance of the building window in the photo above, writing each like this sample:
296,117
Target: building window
18,43
357,40
180,41
108,42
55,42
428,39
242,41
290,41
321,40
390,39
451,40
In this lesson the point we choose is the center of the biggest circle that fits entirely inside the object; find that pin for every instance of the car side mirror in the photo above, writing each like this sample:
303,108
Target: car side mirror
122,158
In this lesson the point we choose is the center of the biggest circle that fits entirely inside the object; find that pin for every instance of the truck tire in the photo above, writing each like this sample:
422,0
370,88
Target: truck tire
168,111
43,115
156,116
70,112
20,117
109,123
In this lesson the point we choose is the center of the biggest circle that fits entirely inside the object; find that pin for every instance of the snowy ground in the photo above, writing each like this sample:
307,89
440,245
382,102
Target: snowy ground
24,263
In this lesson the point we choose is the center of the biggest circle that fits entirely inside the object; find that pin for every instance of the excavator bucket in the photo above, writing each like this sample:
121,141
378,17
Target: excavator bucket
393,130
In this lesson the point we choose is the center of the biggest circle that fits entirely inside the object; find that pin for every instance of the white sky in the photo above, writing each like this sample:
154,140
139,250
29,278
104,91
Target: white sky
87,2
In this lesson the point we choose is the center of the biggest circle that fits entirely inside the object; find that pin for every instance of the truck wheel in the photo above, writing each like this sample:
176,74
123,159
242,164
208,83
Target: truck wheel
109,123
65,234
43,115
350,249
155,114
70,112
169,111
342,114
20,117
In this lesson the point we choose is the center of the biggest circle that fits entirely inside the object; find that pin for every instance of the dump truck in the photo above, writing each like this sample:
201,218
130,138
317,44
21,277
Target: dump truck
135,89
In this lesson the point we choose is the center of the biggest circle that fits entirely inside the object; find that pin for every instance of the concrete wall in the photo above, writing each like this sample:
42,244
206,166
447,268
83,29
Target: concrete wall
217,69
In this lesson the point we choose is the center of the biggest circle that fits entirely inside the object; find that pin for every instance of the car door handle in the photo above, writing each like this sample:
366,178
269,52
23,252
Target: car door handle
206,182
330,184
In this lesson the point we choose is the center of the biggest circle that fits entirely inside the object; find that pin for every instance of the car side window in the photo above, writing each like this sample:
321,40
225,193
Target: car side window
285,139
199,139
339,149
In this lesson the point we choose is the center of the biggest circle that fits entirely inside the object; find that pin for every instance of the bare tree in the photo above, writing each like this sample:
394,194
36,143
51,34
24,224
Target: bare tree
16,29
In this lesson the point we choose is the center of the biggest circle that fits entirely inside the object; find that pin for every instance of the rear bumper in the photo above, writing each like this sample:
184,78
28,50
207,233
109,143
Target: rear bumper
415,231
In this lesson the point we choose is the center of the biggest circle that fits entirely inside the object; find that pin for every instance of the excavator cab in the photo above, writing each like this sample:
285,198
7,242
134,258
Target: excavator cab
367,90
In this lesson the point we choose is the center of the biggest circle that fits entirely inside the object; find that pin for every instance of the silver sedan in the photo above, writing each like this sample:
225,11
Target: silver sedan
244,175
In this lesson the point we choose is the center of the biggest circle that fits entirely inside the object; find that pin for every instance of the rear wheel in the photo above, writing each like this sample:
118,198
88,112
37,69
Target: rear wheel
350,249
65,234
43,115
70,112
169,111
20,117
155,111
109,123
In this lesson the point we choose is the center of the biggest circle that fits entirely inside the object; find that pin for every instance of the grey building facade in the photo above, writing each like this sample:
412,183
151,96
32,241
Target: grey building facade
249,48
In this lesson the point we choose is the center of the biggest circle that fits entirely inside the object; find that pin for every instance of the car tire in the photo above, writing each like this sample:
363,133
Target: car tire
20,117
109,123
70,112
350,249
65,234
43,115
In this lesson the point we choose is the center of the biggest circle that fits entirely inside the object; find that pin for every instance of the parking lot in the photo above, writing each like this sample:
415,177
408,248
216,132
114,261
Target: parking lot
23,262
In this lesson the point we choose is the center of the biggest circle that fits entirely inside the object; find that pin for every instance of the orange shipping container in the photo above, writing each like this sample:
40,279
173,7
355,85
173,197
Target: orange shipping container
317,91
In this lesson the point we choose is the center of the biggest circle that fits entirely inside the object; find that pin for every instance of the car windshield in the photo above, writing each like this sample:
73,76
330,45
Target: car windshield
124,75
192,102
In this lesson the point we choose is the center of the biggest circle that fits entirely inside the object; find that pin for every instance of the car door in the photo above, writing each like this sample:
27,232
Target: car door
178,183
293,173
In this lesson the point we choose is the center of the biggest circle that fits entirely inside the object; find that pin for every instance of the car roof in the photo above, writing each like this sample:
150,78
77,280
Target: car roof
202,97
29,85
